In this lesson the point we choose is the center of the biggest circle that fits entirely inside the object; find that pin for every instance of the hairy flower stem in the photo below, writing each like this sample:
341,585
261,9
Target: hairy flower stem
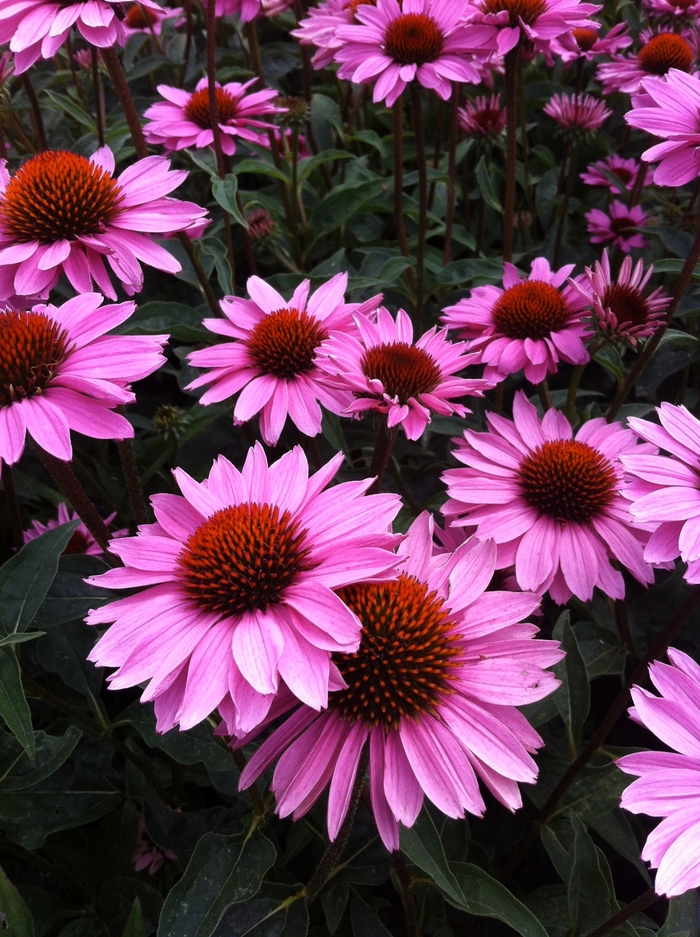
574,383
335,850
624,914
417,114
70,487
451,172
639,184
407,897
98,91
397,112
12,506
561,221
37,119
384,443
511,83
544,395
682,283
133,481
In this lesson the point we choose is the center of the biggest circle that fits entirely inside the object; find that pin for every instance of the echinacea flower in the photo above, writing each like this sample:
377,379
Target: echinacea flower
623,170
585,43
149,20
668,782
239,572
421,40
664,490
60,371
672,111
183,119
622,311
552,502
662,52
38,28
320,25
82,540
63,213
617,226
146,855
672,10
482,117
273,359
531,323
577,112
388,373
431,697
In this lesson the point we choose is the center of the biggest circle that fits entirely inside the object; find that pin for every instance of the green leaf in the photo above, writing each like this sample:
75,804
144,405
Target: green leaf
590,893
683,916
29,817
223,871
225,191
609,358
18,921
371,138
14,708
421,844
20,638
308,165
335,901
281,913
364,920
260,168
573,696
134,925
215,248
73,108
51,752
25,579
485,897
186,748
486,187
341,204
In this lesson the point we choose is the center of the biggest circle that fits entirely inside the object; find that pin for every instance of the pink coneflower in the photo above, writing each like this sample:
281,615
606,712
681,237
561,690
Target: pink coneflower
63,213
531,323
657,56
585,44
38,28
431,697
671,111
668,783
387,373
665,492
617,227
240,573
146,854
273,360
539,21
183,119
320,26
672,10
149,20
60,371
577,112
623,170
82,540
422,40
552,503
482,117
622,311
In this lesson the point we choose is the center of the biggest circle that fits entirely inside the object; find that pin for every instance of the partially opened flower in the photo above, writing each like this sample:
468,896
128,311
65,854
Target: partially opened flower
657,56
431,697
183,119
63,213
585,43
668,782
577,112
273,359
623,172
531,323
422,40
149,20
482,117
672,111
664,490
239,573
617,226
552,502
60,371
82,540
386,372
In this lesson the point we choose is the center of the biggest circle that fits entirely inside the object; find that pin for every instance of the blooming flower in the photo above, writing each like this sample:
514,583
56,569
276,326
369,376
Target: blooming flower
59,370
482,117
668,783
423,40
239,573
82,540
431,694
586,43
672,111
38,28
552,502
62,213
624,170
664,490
662,52
671,10
577,112
622,310
618,226
320,26
146,19
390,374
183,119
531,323
273,358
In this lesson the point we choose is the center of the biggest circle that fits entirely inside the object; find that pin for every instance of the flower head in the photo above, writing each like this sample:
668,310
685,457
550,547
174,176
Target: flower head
82,540
669,781
672,10
552,502
531,323
482,117
59,370
624,173
585,43
388,373
63,213
660,53
321,24
421,40
273,360
239,573
617,227
146,854
149,20
184,119
577,113
671,110
430,693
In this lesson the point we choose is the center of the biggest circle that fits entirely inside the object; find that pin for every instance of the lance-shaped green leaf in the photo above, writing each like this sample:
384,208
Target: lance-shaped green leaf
573,697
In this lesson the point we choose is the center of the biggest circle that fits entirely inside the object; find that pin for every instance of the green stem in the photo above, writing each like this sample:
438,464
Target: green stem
99,96
571,178
70,487
624,914
574,383
407,897
417,113
133,481
451,172
37,118
511,80
397,113
544,395
383,445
